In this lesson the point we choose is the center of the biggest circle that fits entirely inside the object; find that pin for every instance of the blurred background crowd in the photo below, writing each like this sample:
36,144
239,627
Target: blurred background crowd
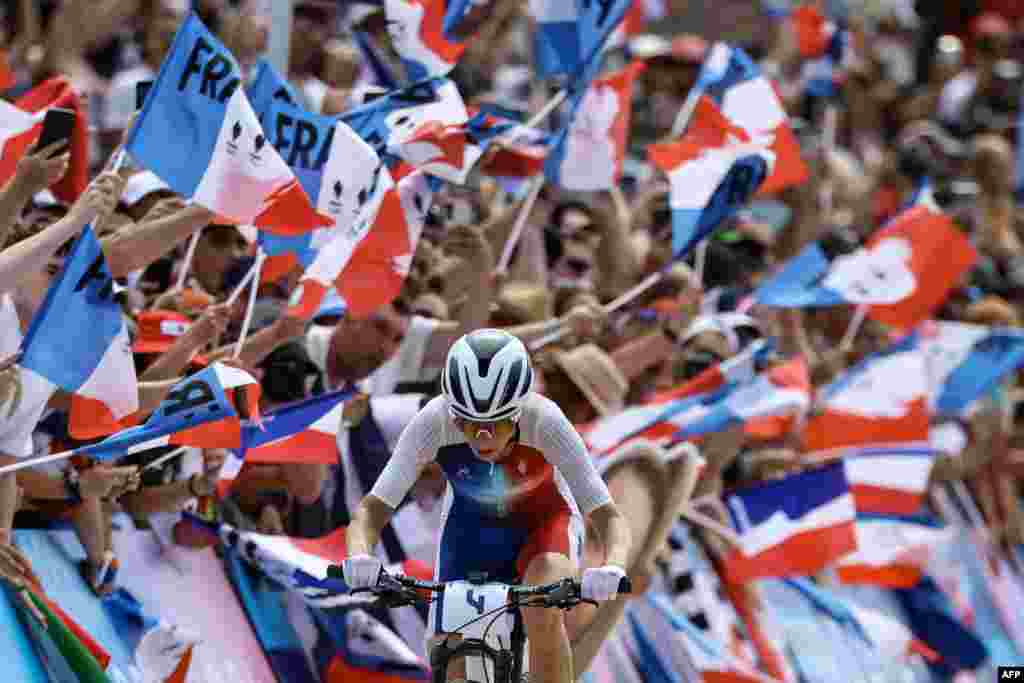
928,89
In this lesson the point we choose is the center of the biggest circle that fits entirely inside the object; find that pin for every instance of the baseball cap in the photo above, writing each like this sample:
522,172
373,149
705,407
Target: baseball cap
157,331
141,184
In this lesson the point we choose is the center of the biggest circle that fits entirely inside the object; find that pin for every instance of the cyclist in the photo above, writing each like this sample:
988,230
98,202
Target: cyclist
519,478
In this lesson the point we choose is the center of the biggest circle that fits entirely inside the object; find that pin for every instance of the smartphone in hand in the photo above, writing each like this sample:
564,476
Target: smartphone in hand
58,124
141,90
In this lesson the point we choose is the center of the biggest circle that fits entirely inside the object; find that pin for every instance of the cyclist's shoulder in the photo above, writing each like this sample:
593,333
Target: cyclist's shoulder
540,415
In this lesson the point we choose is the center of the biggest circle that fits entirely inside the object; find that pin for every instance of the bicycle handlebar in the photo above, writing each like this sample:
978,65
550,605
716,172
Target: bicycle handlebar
398,589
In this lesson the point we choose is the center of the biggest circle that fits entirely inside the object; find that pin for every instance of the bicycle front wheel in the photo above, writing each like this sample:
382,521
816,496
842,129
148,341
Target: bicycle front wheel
497,663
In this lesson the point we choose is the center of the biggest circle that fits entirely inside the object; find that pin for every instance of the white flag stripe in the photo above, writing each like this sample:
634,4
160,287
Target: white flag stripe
900,472
779,526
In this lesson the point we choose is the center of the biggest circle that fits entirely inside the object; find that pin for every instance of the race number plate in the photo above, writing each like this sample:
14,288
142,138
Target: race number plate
464,601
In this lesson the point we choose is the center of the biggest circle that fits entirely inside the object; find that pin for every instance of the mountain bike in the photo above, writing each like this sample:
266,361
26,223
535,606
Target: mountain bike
473,609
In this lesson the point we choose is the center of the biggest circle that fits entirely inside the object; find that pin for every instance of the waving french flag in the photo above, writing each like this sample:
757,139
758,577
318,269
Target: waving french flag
966,362
199,133
336,169
883,400
524,150
890,480
793,526
749,101
267,87
369,261
571,34
79,342
766,396
204,410
588,156
661,417
22,122
417,35
305,432
893,551
904,272
394,118
824,47
713,171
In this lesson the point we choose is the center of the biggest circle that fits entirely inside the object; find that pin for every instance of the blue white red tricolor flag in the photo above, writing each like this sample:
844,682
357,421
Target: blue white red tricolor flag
966,362
78,341
793,526
267,87
199,133
337,169
22,122
889,480
904,272
392,119
892,551
304,432
883,400
713,170
571,34
589,154
204,410
824,46
748,101
416,30
368,262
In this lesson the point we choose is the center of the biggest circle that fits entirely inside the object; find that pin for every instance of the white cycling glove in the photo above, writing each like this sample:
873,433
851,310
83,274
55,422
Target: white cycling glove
602,583
361,571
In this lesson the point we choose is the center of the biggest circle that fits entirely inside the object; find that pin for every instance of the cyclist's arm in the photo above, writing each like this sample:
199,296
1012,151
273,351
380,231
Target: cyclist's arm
416,448
564,448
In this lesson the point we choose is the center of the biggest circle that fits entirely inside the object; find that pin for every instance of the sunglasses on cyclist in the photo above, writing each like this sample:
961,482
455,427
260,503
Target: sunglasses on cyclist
497,429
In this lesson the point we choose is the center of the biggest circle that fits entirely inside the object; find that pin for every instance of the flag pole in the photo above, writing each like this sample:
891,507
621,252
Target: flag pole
190,252
853,328
520,224
251,306
830,128
242,285
700,259
546,110
686,112
25,463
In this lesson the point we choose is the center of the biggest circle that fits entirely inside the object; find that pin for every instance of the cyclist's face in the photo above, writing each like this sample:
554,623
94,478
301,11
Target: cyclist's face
489,440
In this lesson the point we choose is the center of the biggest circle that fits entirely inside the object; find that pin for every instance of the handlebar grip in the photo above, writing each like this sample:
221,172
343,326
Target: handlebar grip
625,586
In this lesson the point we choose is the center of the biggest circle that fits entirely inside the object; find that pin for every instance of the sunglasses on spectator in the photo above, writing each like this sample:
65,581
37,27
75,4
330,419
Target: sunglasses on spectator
697,362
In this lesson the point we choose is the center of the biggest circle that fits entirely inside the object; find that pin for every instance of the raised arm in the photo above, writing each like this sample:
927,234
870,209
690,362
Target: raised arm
148,240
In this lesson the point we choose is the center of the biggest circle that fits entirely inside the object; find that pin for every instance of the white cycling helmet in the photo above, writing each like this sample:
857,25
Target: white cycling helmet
486,376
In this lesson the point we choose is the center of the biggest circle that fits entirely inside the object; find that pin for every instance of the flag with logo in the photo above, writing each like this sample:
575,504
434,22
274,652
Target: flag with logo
417,35
78,341
749,102
713,170
392,119
366,650
204,410
890,480
22,122
904,272
883,400
338,170
199,133
793,526
892,551
966,362
304,432
267,87
589,156
368,262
